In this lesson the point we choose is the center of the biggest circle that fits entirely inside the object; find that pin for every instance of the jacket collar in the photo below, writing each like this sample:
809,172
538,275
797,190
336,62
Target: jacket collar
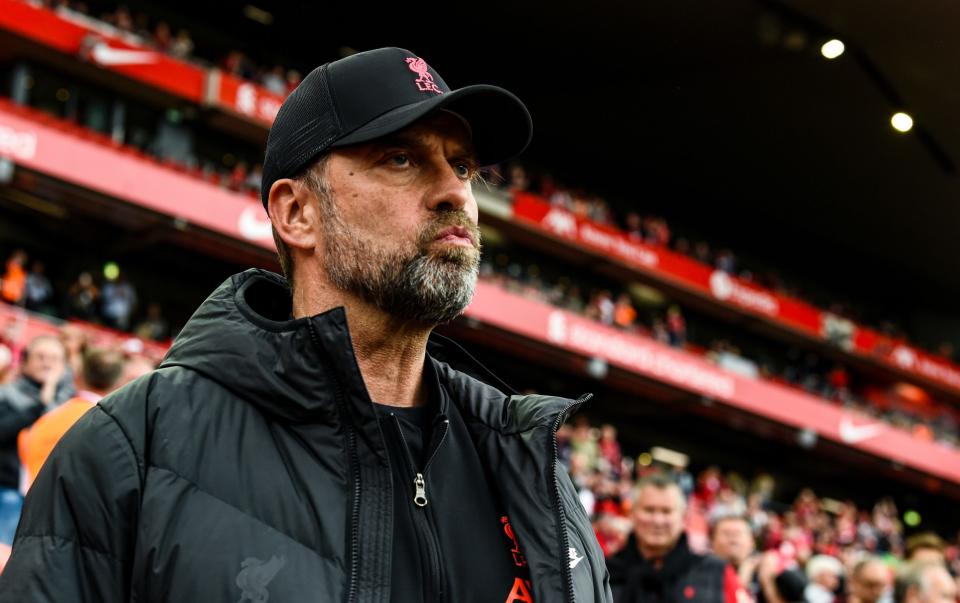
243,338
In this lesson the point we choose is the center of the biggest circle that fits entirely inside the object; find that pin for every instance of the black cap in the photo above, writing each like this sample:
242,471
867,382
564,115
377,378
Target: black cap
371,94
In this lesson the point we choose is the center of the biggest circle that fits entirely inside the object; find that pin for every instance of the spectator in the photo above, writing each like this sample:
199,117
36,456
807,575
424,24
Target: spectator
518,179
869,581
925,547
676,327
254,178
122,19
162,37
731,539
134,368
701,252
74,339
275,81
102,369
14,281
624,314
925,582
634,227
39,291
660,331
823,574
601,308
293,79
656,565
119,299
610,447
40,386
182,45
83,298
238,176
725,262
154,327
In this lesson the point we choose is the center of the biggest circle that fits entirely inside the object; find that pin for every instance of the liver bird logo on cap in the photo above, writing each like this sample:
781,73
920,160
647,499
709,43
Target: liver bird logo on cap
424,79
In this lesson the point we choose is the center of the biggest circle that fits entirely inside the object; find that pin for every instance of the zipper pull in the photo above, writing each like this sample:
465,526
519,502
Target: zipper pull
420,496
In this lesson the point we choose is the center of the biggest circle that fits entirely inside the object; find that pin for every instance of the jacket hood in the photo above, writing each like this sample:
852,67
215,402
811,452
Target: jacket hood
243,338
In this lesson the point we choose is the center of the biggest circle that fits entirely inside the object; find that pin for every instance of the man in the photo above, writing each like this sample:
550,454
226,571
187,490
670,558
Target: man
869,581
657,565
823,575
925,582
299,442
101,372
731,539
42,384
926,546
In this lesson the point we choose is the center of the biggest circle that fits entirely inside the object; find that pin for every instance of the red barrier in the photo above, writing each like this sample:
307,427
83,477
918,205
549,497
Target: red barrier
113,50
243,98
690,274
646,357
130,178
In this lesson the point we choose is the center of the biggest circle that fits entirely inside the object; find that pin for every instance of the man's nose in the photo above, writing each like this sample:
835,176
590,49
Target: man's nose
450,192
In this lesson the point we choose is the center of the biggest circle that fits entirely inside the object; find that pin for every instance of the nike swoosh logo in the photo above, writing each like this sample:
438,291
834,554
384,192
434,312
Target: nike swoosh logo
253,227
106,55
574,559
854,434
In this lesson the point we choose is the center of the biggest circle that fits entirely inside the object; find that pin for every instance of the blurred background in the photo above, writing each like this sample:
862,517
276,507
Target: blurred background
735,227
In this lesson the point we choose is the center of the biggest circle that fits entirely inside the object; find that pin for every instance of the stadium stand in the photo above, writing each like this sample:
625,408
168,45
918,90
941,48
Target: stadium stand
689,339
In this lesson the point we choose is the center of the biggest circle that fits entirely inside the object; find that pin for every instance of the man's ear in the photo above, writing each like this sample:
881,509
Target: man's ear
293,210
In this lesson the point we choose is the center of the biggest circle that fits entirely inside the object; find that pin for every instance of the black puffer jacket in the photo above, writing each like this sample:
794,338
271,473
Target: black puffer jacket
251,466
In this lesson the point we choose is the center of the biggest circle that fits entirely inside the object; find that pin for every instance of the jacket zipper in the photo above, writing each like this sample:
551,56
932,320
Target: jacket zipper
354,468
421,501
558,499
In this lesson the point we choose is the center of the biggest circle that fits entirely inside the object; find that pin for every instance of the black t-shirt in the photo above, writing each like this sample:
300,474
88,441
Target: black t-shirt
458,547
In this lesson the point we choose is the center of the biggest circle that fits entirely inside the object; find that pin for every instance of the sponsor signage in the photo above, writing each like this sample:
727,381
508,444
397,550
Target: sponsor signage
680,270
131,179
653,360
243,98
90,40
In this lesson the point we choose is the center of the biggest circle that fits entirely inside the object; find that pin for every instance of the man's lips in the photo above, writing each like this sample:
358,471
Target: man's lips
456,235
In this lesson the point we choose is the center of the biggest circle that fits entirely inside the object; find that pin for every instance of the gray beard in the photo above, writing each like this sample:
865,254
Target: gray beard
430,286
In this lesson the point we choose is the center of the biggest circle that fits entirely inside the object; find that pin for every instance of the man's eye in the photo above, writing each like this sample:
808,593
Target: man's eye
399,160
463,169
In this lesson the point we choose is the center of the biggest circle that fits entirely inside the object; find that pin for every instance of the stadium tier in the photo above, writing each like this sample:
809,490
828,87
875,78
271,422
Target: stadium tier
197,211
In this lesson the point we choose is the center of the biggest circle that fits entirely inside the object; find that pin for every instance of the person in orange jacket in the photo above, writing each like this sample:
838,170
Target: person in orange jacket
102,369
14,280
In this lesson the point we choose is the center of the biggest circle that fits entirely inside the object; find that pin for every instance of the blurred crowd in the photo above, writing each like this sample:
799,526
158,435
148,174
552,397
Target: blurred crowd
244,176
655,230
902,405
46,384
111,301
812,549
178,42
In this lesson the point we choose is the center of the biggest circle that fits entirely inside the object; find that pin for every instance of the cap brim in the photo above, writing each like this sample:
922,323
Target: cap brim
499,121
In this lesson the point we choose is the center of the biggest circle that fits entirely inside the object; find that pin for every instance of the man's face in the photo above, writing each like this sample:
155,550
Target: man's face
940,588
658,518
44,358
870,584
732,540
400,230
927,555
